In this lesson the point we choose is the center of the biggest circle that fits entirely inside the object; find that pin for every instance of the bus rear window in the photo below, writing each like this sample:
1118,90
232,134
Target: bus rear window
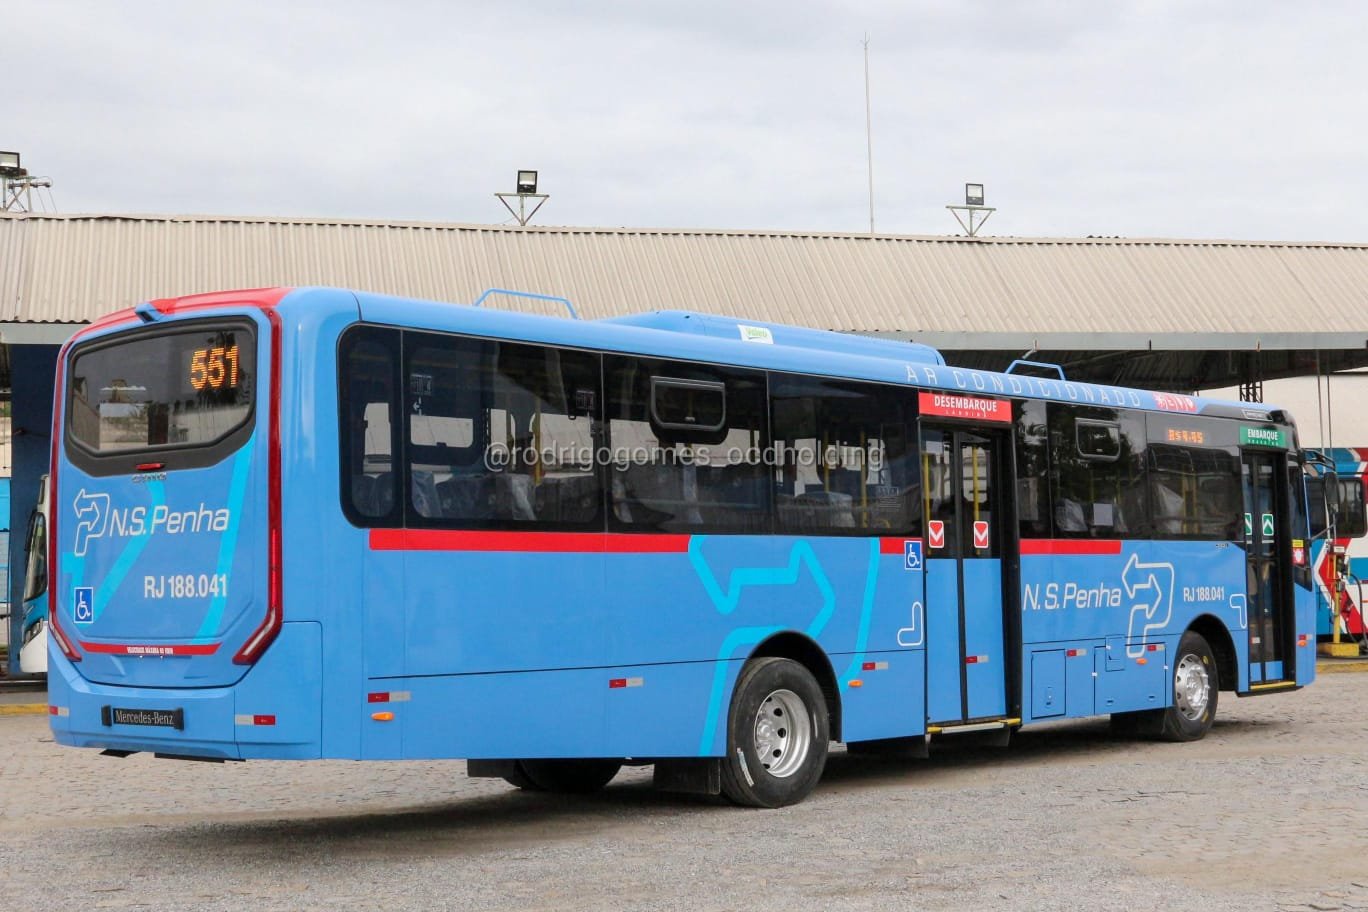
183,388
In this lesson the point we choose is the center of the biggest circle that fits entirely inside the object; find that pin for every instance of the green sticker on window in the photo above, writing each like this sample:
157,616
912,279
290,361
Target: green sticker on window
1268,437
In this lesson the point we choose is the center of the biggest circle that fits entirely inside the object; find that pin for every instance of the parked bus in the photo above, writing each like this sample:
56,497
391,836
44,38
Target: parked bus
319,523
1339,559
33,636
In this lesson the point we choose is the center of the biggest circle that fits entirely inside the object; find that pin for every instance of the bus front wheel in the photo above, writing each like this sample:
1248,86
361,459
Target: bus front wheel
1195,687
777,735
1193,708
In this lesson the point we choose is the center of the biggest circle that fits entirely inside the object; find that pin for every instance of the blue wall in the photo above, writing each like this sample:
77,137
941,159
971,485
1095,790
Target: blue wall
31,375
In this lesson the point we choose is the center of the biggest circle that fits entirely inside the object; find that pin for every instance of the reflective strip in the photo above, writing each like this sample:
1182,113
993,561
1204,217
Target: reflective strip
618,683
62,711
389,696
1075,653
1155,647
133,649
258,719
975,660
874,666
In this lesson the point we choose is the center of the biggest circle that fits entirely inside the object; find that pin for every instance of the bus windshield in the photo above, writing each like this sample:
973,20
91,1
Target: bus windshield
191,387
35,577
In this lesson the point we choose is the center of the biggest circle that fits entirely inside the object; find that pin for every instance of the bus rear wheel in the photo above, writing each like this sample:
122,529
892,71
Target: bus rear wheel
777,735
568,776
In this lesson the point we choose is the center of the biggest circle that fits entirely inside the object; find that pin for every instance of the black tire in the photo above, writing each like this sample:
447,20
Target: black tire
574,777
1195,690
776,709
519,779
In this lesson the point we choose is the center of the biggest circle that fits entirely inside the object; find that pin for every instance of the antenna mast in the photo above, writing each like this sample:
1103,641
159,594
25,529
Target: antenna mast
869,136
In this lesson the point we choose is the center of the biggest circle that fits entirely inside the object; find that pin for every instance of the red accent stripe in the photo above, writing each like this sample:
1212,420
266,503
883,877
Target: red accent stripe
895,545
264,298
1038,546
544,542
269,628
152,649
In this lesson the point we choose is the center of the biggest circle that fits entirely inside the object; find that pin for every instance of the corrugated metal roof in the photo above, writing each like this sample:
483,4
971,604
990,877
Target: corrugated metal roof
72,268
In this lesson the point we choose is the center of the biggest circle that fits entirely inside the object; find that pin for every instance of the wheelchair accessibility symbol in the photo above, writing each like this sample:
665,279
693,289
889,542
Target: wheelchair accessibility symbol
912,555
83,604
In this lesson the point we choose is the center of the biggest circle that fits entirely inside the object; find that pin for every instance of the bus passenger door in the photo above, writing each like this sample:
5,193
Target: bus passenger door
1268,555
966,655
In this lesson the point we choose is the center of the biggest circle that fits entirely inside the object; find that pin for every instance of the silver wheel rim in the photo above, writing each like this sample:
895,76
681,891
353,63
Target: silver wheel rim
1191,687
783,733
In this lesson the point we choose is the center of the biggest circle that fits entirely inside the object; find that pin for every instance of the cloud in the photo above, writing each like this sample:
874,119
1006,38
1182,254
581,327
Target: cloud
1165,118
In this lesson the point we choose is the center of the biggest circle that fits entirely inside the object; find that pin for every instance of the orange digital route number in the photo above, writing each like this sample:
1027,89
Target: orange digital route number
214,368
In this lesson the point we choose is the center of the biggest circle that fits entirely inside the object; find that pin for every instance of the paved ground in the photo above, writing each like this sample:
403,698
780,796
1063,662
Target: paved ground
1269,812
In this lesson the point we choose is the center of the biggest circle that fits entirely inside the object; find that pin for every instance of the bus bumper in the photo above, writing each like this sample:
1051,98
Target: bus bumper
272,712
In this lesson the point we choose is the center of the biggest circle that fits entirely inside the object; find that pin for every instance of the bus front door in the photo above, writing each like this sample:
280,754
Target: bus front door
1268,555
966,655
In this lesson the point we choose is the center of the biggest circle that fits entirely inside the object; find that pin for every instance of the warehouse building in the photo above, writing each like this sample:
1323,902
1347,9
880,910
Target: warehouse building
1178,315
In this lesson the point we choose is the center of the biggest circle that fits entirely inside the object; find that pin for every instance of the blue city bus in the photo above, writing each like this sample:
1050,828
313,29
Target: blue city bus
316,523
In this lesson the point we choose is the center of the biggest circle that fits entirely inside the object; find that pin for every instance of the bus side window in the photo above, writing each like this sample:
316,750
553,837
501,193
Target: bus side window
686,443
843,459
1097,472
1033,463
368,363
1194,479
501,434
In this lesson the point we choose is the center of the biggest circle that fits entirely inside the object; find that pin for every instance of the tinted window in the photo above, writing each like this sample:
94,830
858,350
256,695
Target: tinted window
844,463
187,388
35,577
1097,495
686,443
369,367
500,434
1194,480
1033,466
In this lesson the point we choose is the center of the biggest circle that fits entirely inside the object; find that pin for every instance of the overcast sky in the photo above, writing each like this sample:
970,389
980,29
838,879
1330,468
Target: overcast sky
1171,119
